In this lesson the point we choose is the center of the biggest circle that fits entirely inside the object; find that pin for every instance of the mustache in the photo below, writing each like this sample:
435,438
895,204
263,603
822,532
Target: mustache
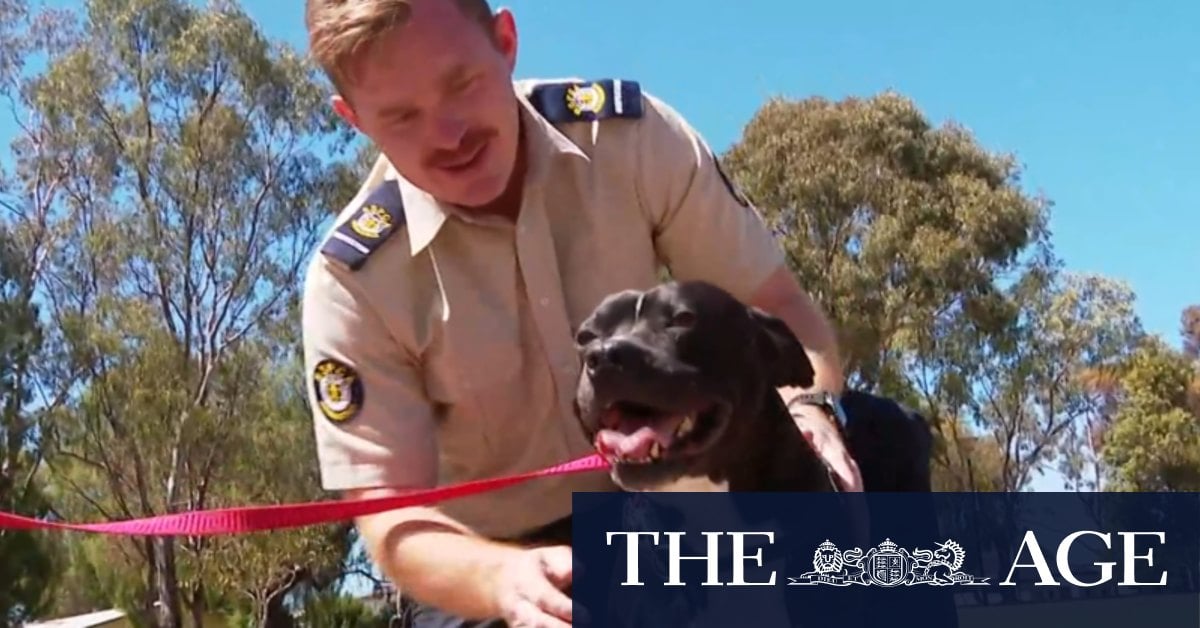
471,142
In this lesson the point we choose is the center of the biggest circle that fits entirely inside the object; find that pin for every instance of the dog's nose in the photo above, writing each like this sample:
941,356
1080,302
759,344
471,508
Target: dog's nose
613,354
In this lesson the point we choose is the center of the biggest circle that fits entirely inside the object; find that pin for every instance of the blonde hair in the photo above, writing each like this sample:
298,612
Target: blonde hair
338,30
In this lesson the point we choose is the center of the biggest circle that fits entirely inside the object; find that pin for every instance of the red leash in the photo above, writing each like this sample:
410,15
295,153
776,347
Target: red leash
275,517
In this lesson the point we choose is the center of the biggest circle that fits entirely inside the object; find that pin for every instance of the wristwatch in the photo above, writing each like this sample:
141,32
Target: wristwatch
826,401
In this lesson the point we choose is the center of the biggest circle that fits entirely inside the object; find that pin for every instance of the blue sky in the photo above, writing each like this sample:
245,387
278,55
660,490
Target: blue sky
1100,100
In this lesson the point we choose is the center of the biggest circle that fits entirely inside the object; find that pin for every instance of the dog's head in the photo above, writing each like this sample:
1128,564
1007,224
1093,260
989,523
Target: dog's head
670,372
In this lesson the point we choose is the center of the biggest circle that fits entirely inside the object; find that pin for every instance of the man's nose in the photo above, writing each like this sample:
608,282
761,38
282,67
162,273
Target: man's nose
615,354
447,132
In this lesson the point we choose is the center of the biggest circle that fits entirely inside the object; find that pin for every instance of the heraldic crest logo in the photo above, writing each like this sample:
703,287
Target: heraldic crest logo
586,99
888,565
371,221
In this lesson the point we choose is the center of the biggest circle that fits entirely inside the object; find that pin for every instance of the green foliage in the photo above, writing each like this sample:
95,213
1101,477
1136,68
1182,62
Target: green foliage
937,270
27,569
1154,441
176,171
892,224
1034,395
1190,328
339,611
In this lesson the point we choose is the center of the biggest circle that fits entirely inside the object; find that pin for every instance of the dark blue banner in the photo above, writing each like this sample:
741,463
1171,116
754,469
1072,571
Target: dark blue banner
937,560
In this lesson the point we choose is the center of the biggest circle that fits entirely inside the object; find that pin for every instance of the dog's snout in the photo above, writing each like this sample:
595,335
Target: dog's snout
613,354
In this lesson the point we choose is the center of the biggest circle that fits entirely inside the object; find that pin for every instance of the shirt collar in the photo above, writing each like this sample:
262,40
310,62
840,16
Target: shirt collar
425,215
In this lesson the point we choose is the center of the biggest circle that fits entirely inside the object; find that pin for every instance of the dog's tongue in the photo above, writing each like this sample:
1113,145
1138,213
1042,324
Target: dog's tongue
635,438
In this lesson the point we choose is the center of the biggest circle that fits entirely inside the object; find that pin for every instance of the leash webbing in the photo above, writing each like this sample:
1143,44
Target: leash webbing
280,516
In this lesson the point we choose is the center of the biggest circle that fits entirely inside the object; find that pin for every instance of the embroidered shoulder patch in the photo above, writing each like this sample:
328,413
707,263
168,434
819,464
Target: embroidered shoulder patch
571,101
338,389
381,215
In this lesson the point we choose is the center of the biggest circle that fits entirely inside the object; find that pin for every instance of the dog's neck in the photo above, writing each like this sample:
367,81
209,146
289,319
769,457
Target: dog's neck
694,484
770,456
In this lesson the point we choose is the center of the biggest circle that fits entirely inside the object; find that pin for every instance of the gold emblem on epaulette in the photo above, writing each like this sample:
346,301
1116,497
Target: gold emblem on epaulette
371,221
586,99
339,390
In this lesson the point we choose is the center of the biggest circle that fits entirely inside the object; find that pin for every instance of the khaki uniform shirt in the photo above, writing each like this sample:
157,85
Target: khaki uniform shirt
442,342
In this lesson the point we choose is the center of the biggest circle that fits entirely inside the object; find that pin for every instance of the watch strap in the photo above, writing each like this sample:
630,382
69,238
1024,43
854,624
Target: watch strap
825,400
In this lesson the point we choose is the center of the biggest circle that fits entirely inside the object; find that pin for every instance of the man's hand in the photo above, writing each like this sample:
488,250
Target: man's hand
823,435
529,588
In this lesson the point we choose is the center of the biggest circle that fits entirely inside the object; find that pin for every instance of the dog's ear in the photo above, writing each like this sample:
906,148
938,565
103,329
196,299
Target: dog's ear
780,351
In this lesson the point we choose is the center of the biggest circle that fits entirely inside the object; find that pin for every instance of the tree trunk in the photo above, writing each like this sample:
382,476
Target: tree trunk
149,612
272,612
276,615
197,605
167,586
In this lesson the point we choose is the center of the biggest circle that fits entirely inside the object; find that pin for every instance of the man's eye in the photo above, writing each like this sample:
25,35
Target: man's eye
463,83
401,119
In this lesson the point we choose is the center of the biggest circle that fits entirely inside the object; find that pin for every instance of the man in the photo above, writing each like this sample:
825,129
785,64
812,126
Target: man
439,314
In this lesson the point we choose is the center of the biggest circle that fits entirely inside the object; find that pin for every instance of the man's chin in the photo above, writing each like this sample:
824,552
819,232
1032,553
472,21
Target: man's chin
476,189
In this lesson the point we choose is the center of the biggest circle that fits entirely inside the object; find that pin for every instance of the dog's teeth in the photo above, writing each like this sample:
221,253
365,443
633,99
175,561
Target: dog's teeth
685,426
655,450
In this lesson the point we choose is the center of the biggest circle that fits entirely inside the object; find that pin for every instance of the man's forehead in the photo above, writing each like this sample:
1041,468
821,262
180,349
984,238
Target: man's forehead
420,54
407,89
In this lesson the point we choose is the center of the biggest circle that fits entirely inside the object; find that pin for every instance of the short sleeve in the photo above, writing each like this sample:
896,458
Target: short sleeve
373,425
704,226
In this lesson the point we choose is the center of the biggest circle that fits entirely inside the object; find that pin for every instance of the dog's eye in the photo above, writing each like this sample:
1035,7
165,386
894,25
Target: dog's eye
683,318
584,336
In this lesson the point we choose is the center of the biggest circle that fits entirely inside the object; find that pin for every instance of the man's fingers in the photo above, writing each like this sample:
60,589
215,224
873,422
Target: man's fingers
528,615
829,446
550,600
557,563
848,473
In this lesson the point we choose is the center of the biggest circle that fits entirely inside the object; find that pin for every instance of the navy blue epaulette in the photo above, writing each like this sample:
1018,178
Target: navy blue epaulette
584,101
380,215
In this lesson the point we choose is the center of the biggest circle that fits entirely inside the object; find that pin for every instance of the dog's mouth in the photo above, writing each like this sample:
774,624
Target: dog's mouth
634,433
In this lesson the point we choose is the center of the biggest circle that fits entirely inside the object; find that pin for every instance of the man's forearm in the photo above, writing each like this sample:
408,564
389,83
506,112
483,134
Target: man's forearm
436,560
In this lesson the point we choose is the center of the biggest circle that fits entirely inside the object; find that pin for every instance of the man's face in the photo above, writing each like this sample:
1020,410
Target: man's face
436,96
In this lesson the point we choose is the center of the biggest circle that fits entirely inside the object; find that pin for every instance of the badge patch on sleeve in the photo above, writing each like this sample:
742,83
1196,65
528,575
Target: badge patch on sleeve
339,390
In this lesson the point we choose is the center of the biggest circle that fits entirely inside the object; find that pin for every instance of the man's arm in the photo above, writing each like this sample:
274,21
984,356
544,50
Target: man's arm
706,229
434,558
374,430
782,296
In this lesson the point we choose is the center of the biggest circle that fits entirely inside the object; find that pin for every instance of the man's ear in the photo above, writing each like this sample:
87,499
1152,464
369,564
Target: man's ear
781,352
344,111
504,36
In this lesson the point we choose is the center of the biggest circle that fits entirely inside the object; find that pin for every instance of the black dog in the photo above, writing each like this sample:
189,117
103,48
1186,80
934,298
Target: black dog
679,391
679,384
